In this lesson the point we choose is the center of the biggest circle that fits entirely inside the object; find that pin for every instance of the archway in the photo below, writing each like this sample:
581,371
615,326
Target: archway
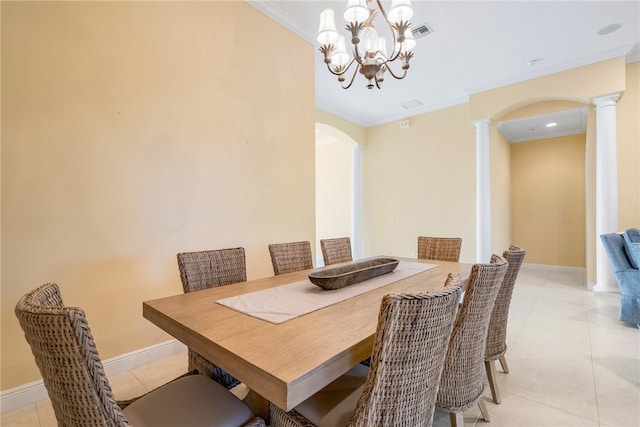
337,188
547,200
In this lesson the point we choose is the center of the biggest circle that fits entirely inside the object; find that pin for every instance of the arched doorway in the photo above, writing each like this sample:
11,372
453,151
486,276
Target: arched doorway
337,188
547,203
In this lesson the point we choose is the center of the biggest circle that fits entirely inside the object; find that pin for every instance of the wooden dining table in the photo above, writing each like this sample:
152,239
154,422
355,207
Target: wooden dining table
285,363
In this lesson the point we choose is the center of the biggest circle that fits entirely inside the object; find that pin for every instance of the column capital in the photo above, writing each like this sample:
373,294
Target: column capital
605,100
481,123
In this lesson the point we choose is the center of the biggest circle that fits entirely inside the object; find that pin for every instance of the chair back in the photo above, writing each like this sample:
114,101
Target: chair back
439,248
336,250
614,246
497,335
66,355
209,269
410,344
627,276
462,377
290,257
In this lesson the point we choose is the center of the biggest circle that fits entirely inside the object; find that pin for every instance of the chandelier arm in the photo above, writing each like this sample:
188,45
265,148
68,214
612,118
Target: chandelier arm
340,73
387,58
393,33
384,14
356,54
404,74
353,77
394,57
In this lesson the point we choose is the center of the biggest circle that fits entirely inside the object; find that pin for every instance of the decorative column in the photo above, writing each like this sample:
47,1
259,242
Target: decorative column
606,187
483,191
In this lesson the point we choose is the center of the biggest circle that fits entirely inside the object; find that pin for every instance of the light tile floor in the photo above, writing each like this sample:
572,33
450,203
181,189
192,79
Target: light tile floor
572,363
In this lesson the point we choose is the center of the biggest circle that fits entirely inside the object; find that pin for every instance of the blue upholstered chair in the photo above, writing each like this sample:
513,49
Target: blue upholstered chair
624,252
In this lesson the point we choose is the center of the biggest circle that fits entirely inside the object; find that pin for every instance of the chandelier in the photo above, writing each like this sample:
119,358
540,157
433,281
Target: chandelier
369,50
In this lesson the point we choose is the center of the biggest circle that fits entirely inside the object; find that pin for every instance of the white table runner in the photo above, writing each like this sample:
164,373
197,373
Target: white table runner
282,303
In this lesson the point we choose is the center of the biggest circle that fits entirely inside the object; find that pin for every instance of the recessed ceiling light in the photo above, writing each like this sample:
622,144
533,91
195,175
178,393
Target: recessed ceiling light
550,125
609,29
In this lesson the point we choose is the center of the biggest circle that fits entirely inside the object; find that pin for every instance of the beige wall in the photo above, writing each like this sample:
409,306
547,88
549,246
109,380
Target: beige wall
419,181
334,171
628,117
590,190
541,108
500,193
422,180
356,132
136,130
548,200
570,250
579,85
132,131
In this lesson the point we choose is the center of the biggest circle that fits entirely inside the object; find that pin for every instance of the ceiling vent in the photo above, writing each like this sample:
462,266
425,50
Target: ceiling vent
421,31
414,103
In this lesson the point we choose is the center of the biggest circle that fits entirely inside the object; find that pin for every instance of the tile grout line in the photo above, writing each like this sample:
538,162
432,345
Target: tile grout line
554,408
527,317
517,335
139,380
38,414
593,371
545,285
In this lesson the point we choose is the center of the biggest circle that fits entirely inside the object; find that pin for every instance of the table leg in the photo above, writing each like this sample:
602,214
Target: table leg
258,404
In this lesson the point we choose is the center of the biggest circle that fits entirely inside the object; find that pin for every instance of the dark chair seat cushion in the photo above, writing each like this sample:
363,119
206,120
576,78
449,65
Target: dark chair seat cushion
193,401
333,405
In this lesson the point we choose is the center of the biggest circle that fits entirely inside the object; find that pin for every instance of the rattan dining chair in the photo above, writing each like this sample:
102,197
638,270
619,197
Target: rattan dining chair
496,346
439,248
210,269
462,382
80,393
290,257
336,250
400,388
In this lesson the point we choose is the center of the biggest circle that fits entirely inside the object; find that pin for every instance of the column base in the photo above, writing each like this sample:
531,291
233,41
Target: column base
607,289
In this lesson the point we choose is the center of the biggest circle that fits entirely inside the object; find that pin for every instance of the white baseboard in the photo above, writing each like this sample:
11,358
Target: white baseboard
137,358
558,268
26,394
23,395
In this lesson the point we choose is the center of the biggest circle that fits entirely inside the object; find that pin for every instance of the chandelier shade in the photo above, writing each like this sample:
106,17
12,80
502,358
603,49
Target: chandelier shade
356,11
340,56
369,52
327,33
409,41
400,11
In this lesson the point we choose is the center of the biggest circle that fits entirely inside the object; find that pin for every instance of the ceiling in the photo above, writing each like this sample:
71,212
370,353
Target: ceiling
474,46
561,123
